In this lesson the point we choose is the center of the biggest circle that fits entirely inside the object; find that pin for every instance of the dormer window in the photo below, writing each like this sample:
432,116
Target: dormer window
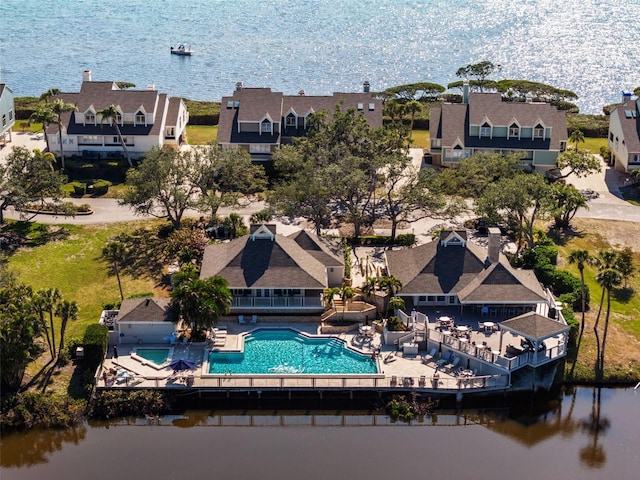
265,127
514,131
290,120
538,131
140,117
90,117
119,118
485,130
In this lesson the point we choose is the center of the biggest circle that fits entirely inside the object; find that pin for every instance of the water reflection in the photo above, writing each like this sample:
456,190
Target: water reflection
32,448
583,433
593,455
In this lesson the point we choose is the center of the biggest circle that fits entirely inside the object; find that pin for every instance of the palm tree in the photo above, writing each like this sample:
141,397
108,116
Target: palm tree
45,116
328,296
391,285
396,303
605,260
39,305
580,258
576,137
48,300
201,302
346,293
115,253
608,279
58,107
49,94
110,114
66,310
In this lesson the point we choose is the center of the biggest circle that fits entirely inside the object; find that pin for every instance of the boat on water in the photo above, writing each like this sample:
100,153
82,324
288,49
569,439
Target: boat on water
182,49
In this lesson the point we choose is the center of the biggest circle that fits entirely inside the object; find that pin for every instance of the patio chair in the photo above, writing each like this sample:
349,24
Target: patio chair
454,363
394,381
241,319
429,357
254,319
444,359
422,381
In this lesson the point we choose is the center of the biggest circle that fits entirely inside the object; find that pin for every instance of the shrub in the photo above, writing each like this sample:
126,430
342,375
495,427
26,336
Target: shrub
605,153
79,188
101,187
84,208
95,342
115,403
565,282
399,409
549,252
394,324
30,409
405,239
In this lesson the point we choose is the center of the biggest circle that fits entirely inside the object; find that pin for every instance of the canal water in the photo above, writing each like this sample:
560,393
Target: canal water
583,433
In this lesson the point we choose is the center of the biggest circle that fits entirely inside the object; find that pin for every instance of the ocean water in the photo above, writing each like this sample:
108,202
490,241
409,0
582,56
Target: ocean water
320,46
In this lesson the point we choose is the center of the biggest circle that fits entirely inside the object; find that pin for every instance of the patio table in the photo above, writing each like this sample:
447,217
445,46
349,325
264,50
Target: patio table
489,326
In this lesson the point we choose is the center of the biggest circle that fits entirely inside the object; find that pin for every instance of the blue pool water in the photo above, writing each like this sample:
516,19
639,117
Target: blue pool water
155,355
285,351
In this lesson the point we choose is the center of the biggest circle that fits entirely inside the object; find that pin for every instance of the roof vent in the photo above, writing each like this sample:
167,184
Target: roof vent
151,86
238,86
301,93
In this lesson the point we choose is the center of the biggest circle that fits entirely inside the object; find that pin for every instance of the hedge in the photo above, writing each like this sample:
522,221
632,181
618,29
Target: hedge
95,342
404,240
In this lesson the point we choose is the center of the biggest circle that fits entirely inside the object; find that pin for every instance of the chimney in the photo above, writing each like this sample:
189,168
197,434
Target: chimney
301,93
151,86
494,244
238,86
465,91
86,76
625,96
366,86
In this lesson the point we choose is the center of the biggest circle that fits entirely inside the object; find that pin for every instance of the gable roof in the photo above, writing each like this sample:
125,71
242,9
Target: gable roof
452,121
284,262
436,269
145,310
534,326
630,126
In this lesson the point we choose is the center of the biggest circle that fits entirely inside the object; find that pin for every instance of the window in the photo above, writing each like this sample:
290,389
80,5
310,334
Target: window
422,298
171,132
372,107
485,130
4,121
440,298
538,131
10,115
431,298
140,117
119,118
290,120
259,148
90,117
265,127
360,106
452,299
90,140
611,136
514,130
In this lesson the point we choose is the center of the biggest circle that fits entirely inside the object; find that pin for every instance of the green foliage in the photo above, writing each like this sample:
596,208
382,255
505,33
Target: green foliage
101,187
395,324
404,239
95,342
200,302
422,91
568,313
118,403
479,71
30,410
346,251
596,126
605,153
79,188
399,408
202,113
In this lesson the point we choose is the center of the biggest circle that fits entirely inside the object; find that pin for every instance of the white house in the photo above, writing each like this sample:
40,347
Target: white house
7,113
624,134
147,119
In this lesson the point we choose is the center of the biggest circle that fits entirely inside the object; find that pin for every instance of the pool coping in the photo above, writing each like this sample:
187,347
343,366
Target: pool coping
240,349
133,354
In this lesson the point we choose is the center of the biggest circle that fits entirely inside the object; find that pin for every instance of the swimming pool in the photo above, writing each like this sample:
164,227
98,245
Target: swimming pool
286,351
159,356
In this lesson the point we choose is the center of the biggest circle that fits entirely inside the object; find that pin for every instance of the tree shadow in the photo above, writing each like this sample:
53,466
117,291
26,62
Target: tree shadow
27,234
623,295
561,236
145,254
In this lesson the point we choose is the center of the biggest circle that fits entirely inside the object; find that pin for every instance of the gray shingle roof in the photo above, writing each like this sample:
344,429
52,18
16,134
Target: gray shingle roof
534,326
257,103
452,121
433,269
263,263
630,126
145,310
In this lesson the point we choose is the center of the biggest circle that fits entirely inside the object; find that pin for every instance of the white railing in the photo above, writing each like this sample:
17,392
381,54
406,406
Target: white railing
276,302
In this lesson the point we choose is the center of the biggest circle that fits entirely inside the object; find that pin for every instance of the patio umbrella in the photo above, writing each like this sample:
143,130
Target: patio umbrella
182,364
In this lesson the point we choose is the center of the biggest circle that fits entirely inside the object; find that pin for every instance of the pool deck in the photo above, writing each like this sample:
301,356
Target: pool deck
397,370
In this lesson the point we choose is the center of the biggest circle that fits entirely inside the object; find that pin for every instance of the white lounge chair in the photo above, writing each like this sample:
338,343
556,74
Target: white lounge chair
429,357
241,319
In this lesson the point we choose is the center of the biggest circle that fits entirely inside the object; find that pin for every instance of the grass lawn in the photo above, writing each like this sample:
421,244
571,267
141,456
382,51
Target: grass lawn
420,139
592,144
623,340
68,258
201,134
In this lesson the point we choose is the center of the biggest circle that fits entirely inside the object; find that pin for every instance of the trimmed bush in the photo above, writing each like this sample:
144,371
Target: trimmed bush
404,239
79,188
101,187
95,342
394,324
